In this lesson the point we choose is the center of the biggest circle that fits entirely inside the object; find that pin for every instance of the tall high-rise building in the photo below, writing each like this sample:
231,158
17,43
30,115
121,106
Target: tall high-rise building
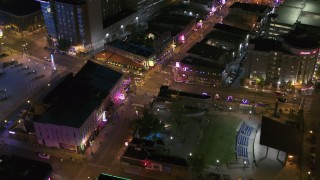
89,24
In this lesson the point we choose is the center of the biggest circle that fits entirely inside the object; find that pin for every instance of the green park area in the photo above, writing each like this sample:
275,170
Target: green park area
218,141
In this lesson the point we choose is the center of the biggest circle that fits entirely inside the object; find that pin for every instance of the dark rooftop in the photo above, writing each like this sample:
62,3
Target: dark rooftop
174,30
231,29
20,7
300,39
143,155
207,51
202,63
250,7
19,168
132,48
261,44
73,2
75,99
166,92
280,136
117,17
104,176
172,19
226,36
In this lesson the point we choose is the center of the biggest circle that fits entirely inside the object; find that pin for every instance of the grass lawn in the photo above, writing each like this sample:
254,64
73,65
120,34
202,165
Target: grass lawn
218,140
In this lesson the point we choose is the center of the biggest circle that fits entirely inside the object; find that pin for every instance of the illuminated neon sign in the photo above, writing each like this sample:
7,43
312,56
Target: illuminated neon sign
308,52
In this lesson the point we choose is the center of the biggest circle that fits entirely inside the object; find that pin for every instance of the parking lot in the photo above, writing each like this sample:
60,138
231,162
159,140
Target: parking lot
20,81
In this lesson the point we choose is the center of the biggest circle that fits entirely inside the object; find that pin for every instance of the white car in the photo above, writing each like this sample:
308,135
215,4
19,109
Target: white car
126,71
22,113
44,155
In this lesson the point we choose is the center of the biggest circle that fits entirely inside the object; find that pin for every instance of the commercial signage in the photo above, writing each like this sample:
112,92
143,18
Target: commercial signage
308,52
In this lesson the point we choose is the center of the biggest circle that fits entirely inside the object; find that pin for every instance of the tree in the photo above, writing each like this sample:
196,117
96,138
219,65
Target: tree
197,166
63,44
178,116
148,124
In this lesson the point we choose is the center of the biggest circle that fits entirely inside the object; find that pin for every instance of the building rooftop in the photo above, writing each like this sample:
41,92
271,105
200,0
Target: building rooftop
174,30
76,98
117,17
19,168
183,8
299,39
261,44
132,48
287,15
172,19
250,7
310,19
104,176
73,2
231,29
293,3
207,51
312,6
109,56
143,155
280,136
166,92
225,36
20,7
202,63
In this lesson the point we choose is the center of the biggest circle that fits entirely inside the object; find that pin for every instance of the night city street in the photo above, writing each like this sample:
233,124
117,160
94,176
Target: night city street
161,89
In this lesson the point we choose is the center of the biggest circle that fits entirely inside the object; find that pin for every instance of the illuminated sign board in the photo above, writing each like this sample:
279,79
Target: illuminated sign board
308,52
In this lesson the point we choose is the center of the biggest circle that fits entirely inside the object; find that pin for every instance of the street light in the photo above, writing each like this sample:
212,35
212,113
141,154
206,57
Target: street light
190,154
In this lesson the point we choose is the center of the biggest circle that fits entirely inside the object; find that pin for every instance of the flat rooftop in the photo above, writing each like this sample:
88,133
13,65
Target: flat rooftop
300,40
256,8
166,92
73,2
312,6
261,44
74,99
117,17
202,63
104,176
310,19
20,7
287,15
132,48
204,50
280,136
231,29
110,56
293,3
225,36
19,168
172,19
174,30
143,155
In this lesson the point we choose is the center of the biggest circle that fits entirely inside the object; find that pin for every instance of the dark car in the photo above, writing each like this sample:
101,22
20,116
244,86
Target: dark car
282,99
313,139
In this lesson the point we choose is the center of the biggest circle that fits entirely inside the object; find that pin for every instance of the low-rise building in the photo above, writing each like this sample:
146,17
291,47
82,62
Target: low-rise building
291,59
151,161
16,167
79,108
21,17
247,16
179,25
192,100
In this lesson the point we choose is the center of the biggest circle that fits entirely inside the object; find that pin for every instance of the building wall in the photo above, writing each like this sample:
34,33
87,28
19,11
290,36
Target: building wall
71,138
22,24
49,18
277,67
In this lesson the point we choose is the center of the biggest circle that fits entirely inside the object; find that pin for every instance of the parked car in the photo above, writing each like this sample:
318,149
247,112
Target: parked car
22,113
44,155
282,99
313,139
313,151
